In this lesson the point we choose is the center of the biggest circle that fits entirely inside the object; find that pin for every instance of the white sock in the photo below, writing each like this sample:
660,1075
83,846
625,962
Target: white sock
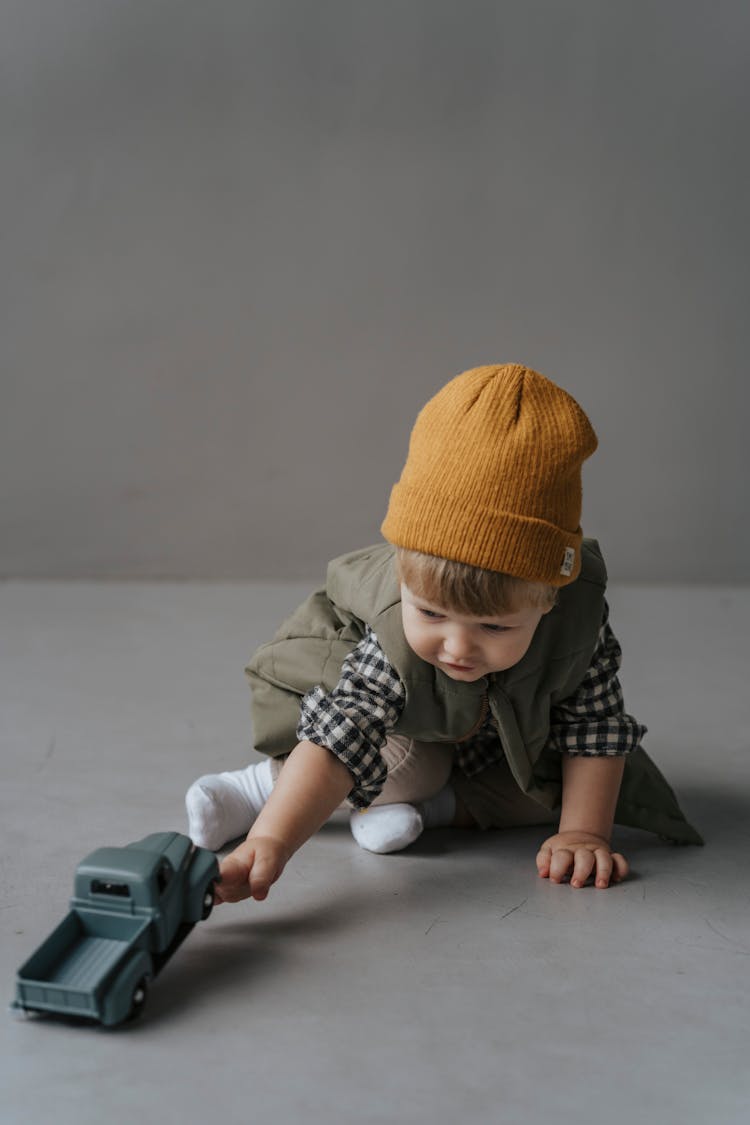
390,828
222,806
386,828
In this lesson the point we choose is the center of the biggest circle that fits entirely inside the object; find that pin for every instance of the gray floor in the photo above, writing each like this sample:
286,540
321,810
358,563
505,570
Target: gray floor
446,983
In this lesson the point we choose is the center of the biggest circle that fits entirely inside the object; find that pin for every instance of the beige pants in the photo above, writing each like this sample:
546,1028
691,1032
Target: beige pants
419,770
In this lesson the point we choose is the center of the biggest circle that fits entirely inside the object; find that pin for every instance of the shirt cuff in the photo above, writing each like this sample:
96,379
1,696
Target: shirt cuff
327,724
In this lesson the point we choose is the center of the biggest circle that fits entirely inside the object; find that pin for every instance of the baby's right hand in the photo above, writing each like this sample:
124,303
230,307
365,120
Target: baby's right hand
250,869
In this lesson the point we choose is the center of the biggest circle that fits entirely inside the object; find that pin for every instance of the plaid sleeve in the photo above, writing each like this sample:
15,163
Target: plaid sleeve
593,721
353,720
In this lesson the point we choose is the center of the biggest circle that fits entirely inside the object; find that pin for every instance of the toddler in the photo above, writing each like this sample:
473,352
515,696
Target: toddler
463,673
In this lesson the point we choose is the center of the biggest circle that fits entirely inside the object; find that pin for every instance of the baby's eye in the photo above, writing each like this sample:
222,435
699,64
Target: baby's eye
429,613
496,628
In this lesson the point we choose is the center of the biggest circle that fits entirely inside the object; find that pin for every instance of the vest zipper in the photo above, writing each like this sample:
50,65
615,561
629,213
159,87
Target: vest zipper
478,724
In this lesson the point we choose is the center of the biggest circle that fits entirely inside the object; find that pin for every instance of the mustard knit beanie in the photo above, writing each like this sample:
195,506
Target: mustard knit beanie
493,476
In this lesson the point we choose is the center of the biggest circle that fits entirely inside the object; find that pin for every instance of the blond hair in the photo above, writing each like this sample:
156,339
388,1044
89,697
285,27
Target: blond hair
469,589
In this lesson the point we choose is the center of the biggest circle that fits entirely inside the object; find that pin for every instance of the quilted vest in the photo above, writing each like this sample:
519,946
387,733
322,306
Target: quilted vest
362,589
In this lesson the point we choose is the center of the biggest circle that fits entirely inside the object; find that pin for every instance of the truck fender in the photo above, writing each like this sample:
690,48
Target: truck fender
125,994
204,872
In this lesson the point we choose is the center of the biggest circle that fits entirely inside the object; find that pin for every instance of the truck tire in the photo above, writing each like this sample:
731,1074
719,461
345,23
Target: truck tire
138,999
126,995
208,900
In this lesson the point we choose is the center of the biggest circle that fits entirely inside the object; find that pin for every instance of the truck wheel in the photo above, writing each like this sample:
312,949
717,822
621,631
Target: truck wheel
208,900
138,999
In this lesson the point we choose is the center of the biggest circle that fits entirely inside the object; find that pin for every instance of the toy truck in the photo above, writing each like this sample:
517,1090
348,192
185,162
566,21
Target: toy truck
131,908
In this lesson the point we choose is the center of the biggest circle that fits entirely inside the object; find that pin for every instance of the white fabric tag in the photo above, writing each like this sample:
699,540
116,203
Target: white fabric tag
568,562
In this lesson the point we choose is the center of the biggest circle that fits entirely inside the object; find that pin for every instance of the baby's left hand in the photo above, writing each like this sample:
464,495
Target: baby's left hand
580,854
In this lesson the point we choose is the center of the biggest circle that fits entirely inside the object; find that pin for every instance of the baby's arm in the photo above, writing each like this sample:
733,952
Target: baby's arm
338,755
594,735
581,845
312,783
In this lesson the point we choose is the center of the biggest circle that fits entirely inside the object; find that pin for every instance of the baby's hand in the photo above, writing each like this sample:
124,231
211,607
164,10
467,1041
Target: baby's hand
579,854
250,869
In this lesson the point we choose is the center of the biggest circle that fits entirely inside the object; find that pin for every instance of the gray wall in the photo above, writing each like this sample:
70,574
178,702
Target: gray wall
243,242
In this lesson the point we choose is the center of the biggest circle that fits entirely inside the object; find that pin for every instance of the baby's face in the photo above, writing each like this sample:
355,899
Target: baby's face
466,648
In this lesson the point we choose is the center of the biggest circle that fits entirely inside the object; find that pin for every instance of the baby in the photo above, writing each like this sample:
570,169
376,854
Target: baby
463,673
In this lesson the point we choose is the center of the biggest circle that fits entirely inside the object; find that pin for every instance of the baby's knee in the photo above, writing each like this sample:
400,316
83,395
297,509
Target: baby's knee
416,770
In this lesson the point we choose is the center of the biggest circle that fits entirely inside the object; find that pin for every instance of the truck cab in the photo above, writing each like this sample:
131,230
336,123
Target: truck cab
149,878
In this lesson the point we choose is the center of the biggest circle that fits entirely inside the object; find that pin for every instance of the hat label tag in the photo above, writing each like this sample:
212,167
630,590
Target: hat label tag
568,562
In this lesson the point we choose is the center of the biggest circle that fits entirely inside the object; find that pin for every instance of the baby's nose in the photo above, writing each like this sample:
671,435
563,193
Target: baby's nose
458,643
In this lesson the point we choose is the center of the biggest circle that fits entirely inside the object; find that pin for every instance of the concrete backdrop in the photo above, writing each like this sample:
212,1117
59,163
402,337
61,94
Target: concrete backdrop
242,243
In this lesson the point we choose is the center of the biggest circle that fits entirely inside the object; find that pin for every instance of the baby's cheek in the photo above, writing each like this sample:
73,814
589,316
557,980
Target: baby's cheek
521,649
419,645
514,652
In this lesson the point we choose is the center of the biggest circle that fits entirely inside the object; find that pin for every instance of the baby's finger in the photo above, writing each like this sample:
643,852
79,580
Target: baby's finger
262,874
582,868
560,865
233,871
221,895
543,859
621,867
603,867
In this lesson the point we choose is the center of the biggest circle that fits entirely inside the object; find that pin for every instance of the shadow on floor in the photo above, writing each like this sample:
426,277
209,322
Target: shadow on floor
254,945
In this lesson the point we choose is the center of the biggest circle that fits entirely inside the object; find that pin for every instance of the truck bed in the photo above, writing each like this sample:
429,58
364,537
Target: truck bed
87,962
67,970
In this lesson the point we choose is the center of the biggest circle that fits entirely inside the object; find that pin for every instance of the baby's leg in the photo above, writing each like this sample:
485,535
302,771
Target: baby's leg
222,806
493,800
414,797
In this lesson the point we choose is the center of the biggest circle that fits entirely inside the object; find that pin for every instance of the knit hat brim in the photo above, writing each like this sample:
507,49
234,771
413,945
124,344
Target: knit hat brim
523,546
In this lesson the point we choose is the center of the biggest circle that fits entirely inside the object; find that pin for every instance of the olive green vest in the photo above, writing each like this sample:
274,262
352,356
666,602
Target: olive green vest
362,589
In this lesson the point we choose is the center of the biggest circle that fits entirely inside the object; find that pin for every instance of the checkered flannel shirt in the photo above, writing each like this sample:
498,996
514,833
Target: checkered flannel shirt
354,720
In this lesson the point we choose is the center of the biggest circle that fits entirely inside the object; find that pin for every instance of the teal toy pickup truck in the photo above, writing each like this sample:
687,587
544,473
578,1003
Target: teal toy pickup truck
131,908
